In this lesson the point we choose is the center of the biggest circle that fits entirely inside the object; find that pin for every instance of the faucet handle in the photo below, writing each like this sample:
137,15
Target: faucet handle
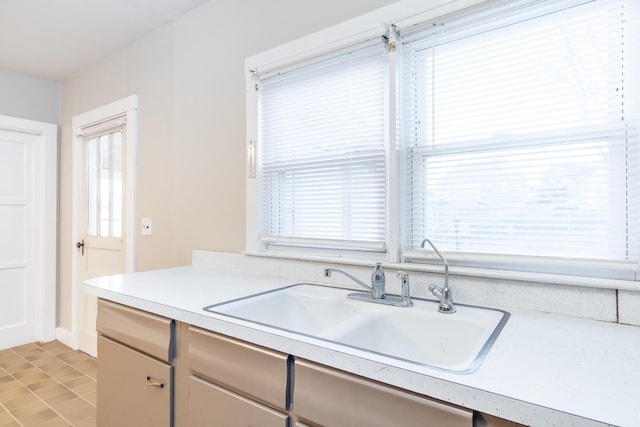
404,291
378,282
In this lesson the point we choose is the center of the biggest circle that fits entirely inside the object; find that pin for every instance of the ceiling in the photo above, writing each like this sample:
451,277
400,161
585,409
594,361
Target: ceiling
52,39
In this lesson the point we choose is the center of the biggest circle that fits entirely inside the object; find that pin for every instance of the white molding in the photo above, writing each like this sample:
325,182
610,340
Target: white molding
126,106
65,337
45,219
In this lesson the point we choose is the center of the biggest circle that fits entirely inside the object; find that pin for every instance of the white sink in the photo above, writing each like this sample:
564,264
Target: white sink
420,334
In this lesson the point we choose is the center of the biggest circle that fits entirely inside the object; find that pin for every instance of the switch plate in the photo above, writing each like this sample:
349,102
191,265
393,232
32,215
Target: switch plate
146,227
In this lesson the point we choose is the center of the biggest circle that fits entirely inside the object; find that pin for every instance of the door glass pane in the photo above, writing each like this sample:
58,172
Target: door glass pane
105,181
104,185
92,187
116,184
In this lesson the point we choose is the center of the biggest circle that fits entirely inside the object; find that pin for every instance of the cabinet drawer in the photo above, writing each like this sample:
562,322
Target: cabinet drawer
246,368
211,405
329,397
149,333
125,396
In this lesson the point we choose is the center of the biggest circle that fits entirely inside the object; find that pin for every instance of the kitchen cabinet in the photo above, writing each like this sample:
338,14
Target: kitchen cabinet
155,371
328,397
235,383
135,370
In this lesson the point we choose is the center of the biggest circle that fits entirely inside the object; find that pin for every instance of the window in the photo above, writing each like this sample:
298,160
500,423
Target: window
517,137
503,131
323,155
104,183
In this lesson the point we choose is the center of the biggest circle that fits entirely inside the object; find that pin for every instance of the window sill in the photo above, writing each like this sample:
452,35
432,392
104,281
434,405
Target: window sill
486,273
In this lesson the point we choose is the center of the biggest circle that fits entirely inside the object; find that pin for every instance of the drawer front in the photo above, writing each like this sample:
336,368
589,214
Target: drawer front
329,397
242,367
210,405
125,396
149,333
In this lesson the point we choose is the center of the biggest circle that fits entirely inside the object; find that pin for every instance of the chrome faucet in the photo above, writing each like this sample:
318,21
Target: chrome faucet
404,290
443,294
377,289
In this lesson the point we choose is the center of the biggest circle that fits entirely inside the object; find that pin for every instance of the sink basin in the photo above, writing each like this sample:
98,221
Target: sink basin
455,342
305,309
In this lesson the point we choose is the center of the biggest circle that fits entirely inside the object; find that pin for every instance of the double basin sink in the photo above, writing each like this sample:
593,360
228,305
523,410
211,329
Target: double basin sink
456,342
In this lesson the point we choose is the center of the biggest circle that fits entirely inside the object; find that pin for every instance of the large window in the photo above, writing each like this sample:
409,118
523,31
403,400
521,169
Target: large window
514,127
516,134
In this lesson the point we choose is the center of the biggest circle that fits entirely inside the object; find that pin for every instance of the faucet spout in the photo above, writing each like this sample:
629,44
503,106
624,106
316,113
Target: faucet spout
442,293
328,271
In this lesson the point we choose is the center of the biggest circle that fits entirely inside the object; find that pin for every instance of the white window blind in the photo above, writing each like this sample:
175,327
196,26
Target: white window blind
516,123
322,155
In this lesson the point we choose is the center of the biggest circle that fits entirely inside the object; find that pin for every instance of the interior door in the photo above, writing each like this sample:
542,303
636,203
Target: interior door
18,285
102,247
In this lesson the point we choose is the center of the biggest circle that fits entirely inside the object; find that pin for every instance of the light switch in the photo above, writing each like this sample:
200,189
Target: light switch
146,228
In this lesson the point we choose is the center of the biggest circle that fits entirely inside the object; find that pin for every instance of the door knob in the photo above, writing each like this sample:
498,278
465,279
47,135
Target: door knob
80,245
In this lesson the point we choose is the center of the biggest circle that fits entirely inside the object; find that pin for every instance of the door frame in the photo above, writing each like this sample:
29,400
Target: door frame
126,106
42,242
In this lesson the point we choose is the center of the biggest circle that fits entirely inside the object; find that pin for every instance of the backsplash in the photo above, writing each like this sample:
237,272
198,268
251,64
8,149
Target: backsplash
583,302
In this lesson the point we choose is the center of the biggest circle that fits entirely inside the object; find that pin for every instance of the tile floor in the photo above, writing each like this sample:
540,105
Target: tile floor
47,385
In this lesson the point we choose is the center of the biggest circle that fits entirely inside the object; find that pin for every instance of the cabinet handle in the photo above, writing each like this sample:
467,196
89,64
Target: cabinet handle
151,383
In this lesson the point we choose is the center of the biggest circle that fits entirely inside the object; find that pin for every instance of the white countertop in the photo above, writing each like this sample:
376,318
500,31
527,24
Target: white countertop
543,370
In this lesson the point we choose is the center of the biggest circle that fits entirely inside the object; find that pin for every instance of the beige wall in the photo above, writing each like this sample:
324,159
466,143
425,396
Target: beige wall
189,78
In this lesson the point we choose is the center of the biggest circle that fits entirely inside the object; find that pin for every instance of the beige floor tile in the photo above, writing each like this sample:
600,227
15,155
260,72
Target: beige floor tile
77,382
26,372
52,365
50,391
83,412
16,365
19,401
47,385
11,424
91,398
38,418
65,373
37,377
56,422
69,407
29,409
84,389
41,385
6,418
13,393
89,422
72,357
65,396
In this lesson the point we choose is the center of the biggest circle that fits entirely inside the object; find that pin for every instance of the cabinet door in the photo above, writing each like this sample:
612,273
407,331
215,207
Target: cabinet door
256,372
147,332
133,389
328,397
210,405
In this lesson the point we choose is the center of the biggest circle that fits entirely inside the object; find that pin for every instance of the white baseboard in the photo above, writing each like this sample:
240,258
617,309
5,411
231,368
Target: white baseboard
65,337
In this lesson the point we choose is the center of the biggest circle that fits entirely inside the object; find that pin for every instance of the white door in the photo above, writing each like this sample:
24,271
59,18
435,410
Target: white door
104,159
102,247
28,155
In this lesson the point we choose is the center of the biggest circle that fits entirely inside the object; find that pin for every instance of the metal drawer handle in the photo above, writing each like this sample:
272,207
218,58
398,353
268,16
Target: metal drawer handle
152,383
